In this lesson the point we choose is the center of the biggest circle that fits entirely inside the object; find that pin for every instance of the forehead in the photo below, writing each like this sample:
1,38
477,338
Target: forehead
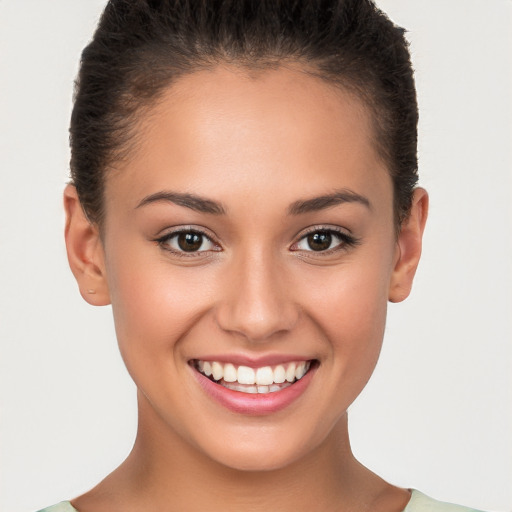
231,130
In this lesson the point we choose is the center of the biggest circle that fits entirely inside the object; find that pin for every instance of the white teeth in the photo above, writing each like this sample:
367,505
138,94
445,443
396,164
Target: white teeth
264,376
230,373
207,368
217,370
245,375
235,386
254,389
279,374
300,370
250,380
290,372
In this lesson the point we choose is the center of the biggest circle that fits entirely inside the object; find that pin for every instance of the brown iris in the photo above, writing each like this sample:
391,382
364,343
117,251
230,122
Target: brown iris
190,242
320,240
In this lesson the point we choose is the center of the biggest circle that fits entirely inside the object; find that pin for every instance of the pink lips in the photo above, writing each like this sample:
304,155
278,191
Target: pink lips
254,404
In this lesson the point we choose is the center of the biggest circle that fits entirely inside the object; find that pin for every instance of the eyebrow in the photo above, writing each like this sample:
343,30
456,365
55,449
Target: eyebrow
327,201
192,201
203,205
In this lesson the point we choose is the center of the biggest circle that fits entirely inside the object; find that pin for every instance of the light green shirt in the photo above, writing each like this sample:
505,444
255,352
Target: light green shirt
421,503
418,503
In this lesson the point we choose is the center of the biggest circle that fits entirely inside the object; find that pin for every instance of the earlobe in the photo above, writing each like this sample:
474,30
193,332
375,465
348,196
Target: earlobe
408,249
85,251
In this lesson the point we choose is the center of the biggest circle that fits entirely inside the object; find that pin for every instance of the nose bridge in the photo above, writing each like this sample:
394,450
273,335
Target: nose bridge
257,303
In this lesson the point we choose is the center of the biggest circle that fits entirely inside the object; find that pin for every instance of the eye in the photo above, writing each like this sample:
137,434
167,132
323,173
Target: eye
187,241
323,240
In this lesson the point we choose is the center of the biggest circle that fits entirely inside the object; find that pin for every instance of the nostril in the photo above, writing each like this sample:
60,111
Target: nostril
256,323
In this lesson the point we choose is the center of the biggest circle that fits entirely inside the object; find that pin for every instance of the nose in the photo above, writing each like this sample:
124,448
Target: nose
257,301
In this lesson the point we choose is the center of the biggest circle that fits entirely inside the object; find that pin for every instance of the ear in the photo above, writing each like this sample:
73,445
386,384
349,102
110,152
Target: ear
408,249
85,251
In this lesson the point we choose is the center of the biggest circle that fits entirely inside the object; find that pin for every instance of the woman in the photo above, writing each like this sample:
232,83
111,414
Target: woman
244,195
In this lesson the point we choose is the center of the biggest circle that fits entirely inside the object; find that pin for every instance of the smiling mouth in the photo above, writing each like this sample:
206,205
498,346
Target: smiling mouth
262,380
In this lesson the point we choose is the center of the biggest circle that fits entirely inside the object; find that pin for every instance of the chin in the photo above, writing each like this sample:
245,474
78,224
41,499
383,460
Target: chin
256,460
259,452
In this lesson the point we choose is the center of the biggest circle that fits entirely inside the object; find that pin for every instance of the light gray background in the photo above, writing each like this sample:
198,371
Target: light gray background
437,414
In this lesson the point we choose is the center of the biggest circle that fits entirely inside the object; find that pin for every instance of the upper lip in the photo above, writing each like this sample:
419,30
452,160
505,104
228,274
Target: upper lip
252,361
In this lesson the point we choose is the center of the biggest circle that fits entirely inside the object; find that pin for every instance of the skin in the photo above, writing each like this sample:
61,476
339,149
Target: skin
240,140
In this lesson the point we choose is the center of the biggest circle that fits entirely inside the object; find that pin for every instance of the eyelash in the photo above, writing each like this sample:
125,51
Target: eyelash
346,241
165,239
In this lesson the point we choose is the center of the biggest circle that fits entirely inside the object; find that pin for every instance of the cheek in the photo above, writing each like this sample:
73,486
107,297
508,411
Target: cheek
154,304
349,307
352,297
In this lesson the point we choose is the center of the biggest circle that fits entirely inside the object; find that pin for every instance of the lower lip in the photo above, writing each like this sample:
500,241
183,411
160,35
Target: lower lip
257,403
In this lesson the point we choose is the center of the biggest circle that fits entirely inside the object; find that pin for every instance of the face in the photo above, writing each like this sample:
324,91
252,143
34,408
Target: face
250,236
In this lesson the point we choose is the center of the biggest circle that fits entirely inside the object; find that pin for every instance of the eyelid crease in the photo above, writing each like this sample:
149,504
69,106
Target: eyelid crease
345,232
171,230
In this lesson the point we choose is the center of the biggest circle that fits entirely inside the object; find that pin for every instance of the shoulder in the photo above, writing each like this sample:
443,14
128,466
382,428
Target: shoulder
63,506
419,502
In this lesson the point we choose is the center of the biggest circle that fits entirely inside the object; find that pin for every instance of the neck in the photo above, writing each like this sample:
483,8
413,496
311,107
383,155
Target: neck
165,472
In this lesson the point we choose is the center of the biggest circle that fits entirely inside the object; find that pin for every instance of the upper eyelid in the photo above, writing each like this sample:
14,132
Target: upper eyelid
164,242
169,232
347,239
173,231
322,227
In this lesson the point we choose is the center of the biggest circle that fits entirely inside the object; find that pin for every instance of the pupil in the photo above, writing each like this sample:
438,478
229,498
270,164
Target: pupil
190,242
320,241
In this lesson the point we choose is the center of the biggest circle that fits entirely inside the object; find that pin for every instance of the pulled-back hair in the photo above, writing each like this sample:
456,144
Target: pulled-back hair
142,46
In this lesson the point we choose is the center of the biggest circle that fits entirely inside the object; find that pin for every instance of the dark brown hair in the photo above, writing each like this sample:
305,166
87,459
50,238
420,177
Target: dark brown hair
142,46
